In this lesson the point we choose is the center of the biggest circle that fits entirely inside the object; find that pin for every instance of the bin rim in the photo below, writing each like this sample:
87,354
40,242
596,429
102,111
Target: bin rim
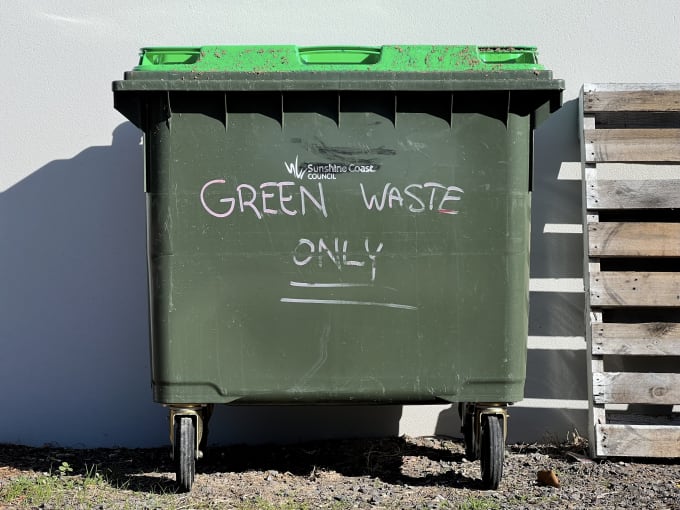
147,81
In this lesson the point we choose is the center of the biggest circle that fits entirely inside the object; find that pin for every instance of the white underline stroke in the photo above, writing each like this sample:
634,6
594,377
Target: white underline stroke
343,302
329,285
339,285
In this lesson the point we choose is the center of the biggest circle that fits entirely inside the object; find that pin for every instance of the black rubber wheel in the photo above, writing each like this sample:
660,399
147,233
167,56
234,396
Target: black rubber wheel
492,451
469,436
185,452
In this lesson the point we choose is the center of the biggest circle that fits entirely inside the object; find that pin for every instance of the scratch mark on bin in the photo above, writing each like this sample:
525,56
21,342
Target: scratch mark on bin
323,357
351,151
171,304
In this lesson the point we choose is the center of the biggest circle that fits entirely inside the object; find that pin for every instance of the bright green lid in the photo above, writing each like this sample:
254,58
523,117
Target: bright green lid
418,58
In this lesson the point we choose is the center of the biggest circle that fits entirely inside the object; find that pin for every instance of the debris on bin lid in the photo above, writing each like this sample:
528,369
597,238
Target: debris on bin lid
290,58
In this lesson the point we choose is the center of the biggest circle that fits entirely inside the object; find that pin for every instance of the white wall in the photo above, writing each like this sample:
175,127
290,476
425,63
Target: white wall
73,317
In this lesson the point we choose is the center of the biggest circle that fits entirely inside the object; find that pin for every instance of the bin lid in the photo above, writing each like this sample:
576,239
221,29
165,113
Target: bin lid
288,58
416,68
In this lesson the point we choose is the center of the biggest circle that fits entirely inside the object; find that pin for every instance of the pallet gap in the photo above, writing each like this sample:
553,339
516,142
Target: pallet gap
641,215
646,264
637,315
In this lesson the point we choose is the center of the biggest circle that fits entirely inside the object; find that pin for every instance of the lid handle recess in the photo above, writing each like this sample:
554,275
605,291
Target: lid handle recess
329,55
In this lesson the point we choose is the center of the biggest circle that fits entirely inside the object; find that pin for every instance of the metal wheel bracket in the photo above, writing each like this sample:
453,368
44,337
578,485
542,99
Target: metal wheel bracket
196,412
476,410
489,409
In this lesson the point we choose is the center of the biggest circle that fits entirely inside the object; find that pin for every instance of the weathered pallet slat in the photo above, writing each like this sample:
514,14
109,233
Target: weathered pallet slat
615,239
627,194
634,288
660,100
630,150
632,144
617,171
629,87
638,441
636,388
641,339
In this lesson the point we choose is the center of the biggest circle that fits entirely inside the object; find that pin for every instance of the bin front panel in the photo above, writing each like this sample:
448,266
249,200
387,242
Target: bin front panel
329,246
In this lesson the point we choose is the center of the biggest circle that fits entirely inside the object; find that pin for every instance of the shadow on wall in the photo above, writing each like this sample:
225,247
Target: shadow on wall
555,199
73,312
526,425
291,424
74,363
555,374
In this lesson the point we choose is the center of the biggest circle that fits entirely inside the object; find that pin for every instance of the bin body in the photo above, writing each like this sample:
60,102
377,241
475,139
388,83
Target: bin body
328,226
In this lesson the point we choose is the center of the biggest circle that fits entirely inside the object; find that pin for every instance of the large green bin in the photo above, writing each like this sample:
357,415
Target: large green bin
331,225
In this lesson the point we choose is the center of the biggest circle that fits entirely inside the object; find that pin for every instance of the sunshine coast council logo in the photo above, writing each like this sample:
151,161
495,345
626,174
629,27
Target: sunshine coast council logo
294,169
327,171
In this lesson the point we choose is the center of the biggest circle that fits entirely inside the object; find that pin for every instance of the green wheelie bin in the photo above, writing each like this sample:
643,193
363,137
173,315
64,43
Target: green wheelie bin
338,225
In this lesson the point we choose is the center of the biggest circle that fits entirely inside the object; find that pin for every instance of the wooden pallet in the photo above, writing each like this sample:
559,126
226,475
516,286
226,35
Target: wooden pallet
630,150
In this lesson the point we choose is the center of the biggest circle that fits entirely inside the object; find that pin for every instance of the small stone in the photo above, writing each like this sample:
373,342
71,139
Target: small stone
548,477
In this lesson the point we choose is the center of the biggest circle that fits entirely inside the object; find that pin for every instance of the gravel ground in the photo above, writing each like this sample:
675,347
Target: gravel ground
395,473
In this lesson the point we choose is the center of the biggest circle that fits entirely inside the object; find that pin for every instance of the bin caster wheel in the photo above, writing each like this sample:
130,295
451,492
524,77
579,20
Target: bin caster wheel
492,450
206,414
185,452
469,436
467,418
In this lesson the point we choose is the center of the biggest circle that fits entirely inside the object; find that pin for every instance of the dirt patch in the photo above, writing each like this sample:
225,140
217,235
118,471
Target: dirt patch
394,473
